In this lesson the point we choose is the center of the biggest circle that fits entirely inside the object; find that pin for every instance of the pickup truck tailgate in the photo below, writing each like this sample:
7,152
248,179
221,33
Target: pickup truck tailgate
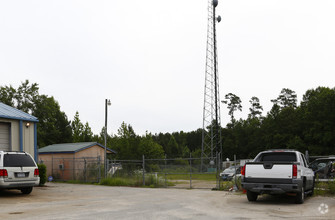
272,171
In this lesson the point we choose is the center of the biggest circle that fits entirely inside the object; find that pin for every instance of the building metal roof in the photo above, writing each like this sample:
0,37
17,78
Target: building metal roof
9,112
71,148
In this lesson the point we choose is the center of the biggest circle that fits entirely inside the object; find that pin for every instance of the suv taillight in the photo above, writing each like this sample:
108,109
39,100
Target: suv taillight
243,170
3,173
294,171
36,172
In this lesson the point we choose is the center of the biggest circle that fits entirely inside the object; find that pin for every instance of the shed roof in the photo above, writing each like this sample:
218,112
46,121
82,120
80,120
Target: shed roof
70,148
9,112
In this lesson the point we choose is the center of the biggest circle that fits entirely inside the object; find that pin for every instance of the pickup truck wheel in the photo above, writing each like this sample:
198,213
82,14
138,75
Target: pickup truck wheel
27,190
300,197
252,196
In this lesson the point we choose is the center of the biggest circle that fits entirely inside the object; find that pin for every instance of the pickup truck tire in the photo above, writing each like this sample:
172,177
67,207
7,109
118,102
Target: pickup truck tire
252,196
300,197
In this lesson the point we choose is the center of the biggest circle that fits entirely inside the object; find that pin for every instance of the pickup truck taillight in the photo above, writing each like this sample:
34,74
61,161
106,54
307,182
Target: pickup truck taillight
3,173
243,170
36,173
294,171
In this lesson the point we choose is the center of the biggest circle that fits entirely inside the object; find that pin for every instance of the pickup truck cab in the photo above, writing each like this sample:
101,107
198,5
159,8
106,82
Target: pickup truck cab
18,170
278,172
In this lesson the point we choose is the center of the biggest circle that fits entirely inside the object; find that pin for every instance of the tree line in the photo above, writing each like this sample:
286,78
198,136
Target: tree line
309,125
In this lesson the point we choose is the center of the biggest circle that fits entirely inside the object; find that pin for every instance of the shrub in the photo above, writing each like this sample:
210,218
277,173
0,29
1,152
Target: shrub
331,186
227,185
43,173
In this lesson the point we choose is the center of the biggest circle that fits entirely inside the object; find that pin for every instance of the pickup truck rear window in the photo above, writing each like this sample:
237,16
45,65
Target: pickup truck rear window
278,157
18,160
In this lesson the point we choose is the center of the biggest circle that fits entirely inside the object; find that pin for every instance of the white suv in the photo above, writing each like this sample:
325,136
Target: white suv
18,170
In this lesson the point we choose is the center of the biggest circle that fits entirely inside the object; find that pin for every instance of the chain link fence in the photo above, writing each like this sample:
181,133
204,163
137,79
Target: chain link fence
88,169
177,173
171,173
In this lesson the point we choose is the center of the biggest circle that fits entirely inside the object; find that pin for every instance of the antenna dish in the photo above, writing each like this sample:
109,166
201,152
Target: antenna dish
215,3
218,18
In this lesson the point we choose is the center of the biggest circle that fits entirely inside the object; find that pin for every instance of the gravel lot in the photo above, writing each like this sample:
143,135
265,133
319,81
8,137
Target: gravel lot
73,201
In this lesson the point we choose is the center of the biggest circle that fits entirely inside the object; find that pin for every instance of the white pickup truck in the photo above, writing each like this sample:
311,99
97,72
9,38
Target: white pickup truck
278,172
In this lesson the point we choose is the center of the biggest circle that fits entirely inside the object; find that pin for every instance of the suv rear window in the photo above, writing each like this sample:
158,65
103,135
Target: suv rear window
278,157
18,160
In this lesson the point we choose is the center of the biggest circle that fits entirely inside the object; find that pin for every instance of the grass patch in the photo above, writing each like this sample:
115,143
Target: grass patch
118,181
136,181
324,188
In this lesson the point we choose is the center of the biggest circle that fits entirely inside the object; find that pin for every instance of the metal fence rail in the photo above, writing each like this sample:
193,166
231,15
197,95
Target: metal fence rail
178,172
88,169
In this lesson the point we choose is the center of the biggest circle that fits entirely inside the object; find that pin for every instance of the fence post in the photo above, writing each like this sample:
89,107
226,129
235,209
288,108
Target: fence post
99,169
143,171
220,165
165,170
217,171
52,166
235,185
63,170
74,168
85,171
190,170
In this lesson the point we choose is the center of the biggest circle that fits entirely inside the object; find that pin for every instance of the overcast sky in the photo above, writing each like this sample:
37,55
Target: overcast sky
148,57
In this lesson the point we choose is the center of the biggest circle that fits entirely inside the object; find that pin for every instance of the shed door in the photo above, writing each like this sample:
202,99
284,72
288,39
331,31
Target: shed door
4,137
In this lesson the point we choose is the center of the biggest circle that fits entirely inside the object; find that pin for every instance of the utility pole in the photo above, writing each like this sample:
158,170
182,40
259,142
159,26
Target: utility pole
107,102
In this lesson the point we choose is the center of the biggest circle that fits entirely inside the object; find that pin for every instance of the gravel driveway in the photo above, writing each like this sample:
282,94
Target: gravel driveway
74,201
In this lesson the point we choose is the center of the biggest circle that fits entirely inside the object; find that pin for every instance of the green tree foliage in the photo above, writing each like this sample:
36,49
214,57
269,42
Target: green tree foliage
53,126
233,103
286,98
194,139
26,96
77,128
256,108
81,132
318,120
149,148
126,143
7,94
308,126
173,148
87,133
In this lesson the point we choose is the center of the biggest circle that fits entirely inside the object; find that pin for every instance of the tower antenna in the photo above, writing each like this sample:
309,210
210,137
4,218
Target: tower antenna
211,146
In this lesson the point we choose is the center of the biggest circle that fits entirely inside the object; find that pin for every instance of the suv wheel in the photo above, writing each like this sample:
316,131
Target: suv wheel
252,196
300,197
27,190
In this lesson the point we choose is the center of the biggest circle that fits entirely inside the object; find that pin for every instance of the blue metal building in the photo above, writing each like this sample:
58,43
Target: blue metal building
18,130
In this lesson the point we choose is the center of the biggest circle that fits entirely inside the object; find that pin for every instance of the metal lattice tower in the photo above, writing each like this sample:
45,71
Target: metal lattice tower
211,135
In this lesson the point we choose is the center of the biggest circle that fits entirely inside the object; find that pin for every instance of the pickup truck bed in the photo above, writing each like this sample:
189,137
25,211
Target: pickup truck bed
275,180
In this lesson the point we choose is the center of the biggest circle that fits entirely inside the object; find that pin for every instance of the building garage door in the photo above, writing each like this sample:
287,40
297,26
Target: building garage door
4,137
